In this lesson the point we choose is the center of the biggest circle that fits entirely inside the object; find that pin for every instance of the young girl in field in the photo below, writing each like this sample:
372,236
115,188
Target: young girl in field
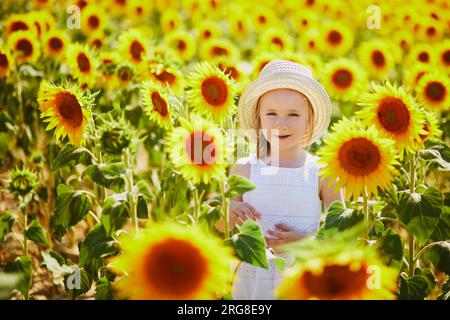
289,110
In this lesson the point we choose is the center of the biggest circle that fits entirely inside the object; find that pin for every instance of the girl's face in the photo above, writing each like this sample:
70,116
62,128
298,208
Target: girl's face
284,110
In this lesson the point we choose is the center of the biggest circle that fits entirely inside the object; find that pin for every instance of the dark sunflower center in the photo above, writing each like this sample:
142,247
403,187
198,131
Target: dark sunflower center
424,57
19,25
359,157
124,74
342,78
435,91
378,58
181,45
218,51
214,91
83,62
446,57
166,77
262,19
4,64
201,148
81,4
25,46
175,267
94,22
311,44
334,37
393,115
136,50
159,104
97,43
55,43
431,31
278,42
207,34
69,108
336,282
240,26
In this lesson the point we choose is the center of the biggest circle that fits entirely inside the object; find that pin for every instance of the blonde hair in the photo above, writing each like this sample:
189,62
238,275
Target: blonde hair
260,147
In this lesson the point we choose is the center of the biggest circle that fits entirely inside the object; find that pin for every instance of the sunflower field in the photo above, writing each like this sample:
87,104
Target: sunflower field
105,103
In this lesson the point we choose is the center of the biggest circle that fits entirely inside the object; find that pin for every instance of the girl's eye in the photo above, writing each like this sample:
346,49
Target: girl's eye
271,114
294,115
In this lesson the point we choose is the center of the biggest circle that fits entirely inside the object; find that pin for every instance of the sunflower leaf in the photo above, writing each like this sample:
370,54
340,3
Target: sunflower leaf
96,246
413,288
71,155
420,212
35,232
6,223
238,185
391,248
341,218
439,255
103,289
71,207
442,230
249,244
436,151
114,215
107,175
77,283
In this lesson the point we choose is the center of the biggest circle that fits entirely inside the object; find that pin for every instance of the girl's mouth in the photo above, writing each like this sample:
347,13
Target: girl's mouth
284,137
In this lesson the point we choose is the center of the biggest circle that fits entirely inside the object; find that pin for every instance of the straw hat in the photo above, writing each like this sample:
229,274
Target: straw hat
283,74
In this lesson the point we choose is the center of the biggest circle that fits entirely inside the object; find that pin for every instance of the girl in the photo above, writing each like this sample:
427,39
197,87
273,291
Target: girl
289,110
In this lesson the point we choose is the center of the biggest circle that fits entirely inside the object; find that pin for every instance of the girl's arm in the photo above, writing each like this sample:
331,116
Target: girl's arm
328,195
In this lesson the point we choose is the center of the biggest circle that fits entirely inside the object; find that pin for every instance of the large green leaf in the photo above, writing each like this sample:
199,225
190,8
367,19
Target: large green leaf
70,156
420,212
437,152
6,223
71,207
238,185
114,215
57,267
36,233
391,247
77,283
413,288
22,265
249,244
107,175
439,254
96,245
341,218
442,230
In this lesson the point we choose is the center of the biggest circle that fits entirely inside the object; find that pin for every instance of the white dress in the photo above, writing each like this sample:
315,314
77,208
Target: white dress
282,195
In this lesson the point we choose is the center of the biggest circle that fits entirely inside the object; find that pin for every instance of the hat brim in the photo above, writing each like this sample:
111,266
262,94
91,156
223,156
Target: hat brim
313,90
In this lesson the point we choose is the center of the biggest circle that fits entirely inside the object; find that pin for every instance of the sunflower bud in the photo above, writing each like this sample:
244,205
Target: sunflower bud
115,139
22,182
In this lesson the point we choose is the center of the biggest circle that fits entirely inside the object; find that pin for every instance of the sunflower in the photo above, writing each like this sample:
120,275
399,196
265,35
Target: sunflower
93,18
358,157
207,30
125,73
24,47
344,79
302,21
132,45
239,26
262,18
97,40
336,39
118,7
276,39
431,128
108,64
376,58
42,4
82,63
139,11
214,49
166,74
235,72
212,92
55,43
403,39
430,30
18,22
172,262
309,41
66,108
198,150
171,20
6,63
433,90
155,98
347,275
414,73
443,53
182,43
421,53
395,114
22,182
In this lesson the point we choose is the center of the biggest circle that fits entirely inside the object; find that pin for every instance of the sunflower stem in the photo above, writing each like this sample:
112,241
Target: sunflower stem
412,189
130,192
225,210
25,226
366,213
